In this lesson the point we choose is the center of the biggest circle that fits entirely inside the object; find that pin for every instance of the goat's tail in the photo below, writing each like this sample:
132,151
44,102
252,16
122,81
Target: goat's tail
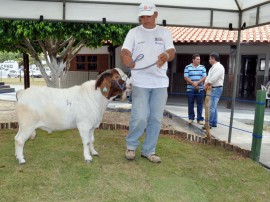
18,94
267,85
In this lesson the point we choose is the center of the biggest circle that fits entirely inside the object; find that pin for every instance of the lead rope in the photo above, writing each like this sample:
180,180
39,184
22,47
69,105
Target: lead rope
138,58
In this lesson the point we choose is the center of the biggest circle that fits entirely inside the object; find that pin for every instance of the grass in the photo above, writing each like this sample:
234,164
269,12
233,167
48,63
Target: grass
20,81
55,171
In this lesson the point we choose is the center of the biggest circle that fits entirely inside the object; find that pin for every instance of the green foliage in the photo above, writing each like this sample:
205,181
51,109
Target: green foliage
55,171
58,41
10,56
13,33
14,56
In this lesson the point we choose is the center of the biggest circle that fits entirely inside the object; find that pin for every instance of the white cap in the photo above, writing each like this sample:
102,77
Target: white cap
147,8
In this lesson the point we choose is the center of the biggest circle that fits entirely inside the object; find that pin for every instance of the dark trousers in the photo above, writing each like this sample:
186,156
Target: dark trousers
197,95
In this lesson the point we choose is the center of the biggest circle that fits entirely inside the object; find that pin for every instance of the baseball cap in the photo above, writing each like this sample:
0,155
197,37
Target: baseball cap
147,8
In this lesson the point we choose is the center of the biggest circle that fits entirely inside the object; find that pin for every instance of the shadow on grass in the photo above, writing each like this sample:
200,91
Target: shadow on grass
55,171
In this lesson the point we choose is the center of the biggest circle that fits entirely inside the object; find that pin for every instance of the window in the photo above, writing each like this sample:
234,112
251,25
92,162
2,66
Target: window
90,62
86,62
92,66
92,58
80,66
80,62
262,64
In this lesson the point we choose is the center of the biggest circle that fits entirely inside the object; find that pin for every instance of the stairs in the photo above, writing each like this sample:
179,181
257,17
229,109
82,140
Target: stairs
6,88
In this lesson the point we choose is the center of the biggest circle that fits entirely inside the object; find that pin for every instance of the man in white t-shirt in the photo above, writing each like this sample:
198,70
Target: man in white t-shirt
149,80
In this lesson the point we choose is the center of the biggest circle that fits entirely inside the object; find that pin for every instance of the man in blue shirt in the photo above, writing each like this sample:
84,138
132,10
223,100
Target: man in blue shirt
195,75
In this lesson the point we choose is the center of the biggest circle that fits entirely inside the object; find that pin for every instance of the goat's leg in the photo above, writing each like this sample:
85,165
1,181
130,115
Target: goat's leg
33,134
91,145
84,133
20,140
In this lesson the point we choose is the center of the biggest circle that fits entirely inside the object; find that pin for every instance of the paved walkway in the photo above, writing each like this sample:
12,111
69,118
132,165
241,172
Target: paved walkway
242,123
241,134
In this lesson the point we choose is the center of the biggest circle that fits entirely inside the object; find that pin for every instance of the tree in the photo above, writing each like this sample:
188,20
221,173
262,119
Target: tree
59,42
17,56
10,56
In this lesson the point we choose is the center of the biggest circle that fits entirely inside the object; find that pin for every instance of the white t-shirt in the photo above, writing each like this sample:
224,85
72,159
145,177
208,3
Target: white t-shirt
151,43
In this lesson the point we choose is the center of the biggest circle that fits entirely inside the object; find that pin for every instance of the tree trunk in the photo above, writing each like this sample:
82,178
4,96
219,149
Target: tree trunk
58,55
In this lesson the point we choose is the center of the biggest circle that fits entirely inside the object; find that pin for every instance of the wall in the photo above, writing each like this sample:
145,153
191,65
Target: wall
262,51
188,49
245,49
118,62
100,50
78,77
201,49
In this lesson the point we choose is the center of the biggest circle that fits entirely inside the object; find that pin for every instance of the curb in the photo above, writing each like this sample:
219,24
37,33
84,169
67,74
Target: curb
183,135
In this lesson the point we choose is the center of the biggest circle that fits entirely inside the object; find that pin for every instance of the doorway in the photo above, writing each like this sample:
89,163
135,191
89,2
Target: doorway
248,76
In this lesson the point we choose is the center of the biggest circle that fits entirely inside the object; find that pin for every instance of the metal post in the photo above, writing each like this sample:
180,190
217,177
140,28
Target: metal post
235,76
258,126
266,70
26,70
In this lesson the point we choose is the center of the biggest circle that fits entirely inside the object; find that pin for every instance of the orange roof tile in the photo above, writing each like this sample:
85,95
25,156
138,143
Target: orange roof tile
202,35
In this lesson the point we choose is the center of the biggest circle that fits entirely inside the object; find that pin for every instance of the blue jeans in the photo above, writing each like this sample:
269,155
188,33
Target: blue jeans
199,97
215,95
147,112
130,97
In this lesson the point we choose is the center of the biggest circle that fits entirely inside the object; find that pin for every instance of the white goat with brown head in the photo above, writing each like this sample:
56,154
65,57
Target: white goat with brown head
54,109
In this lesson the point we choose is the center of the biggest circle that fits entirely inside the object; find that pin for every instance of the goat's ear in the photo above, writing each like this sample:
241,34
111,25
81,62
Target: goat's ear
101,78
104,83
105,86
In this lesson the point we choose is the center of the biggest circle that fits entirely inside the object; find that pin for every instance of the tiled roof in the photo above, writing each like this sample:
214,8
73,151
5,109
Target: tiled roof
188,35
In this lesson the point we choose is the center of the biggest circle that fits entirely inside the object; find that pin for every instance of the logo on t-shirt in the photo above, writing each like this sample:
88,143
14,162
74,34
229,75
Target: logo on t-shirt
158,40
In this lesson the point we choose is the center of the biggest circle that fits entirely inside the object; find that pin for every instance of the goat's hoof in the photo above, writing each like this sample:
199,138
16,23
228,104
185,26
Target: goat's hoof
94,154
22,161
88,161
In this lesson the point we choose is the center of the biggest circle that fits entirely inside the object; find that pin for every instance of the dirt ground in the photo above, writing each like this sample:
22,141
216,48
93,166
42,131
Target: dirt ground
7,111
7,114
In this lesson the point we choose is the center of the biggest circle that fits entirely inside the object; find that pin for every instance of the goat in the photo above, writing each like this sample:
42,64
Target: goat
52,109
266,88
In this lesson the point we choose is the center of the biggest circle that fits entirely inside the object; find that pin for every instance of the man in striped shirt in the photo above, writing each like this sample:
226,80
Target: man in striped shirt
195,75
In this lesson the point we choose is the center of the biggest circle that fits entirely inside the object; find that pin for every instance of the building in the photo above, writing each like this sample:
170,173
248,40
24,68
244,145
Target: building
254,51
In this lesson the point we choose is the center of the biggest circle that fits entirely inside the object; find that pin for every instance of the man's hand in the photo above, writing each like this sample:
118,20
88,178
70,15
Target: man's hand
162,58
206,86
195,84
127,59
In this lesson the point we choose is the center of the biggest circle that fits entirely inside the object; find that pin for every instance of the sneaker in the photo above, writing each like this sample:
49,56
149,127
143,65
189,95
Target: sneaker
153,158
200,122
190,121
130,154
205,128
